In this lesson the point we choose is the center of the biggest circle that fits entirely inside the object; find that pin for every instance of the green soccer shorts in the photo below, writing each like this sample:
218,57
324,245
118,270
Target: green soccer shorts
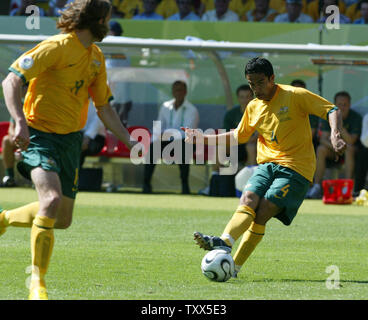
54,152
280,185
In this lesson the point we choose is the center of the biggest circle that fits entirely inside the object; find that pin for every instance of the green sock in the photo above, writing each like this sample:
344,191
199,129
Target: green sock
9,172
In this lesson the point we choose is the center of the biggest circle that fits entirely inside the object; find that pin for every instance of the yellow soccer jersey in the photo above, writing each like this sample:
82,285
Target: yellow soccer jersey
285,136
62,74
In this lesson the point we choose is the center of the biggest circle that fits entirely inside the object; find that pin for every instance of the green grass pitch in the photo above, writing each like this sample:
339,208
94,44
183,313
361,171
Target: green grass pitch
132,246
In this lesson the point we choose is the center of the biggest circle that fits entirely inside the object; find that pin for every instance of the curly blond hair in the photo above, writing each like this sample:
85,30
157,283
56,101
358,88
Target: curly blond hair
85,14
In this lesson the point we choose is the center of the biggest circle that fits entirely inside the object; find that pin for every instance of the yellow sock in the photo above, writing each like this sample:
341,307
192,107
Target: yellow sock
238,224
250,240
23,216
42,243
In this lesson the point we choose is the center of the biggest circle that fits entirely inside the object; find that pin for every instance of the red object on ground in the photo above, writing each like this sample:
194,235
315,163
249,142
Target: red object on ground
4,127
338,191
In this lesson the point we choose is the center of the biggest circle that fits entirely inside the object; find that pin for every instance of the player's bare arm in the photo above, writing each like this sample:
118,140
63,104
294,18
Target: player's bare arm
337,141
196,136
111,120
13,88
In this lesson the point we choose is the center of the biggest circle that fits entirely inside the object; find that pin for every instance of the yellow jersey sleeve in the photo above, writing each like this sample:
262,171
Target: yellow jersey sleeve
99,89
312,103
244,130
46,55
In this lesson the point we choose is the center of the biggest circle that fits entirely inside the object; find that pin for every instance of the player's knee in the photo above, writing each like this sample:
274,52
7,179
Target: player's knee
52,200
266,211
249,199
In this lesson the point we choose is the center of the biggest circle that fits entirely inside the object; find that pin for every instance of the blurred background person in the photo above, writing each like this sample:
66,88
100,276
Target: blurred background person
294,13
148,13
185,11
174,114
221,12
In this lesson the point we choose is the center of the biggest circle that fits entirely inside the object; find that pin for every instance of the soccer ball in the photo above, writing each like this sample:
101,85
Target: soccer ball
218,265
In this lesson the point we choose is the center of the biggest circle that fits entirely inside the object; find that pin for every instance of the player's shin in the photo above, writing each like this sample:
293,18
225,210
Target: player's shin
42,243
250,240
23,216
239,223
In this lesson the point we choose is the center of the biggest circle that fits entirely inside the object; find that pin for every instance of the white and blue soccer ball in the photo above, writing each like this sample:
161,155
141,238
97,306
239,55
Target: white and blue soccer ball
218,265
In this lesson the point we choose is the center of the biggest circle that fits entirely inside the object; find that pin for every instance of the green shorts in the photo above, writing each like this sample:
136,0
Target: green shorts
54,152
280,185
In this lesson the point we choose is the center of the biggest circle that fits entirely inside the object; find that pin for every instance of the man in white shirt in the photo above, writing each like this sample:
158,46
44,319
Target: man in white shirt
361,163
173,115
93,134
221,12
294,13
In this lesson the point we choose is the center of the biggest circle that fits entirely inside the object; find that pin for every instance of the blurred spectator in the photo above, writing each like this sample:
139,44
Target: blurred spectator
57,5
294,13
241,7
361,162
8,149
353,11
185,11
247,153
352,124
362,8
93,134
149,7
122,102
126,8
167,8
262,12
364,136
349,3
21,10
313,120
174,114
221,12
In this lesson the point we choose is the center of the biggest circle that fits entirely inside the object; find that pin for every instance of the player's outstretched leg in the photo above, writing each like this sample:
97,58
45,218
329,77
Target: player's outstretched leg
210,242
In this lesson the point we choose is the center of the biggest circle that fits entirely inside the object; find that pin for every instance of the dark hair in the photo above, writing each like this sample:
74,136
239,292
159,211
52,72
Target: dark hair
179,82
259,65
243,87
298,83
342,94
85,14
116,28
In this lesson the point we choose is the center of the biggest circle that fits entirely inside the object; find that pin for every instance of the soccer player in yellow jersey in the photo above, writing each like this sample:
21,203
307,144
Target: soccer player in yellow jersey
285,154
62,71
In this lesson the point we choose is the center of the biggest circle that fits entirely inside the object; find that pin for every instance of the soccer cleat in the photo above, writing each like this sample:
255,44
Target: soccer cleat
8,182
38,293
235,274
210,242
